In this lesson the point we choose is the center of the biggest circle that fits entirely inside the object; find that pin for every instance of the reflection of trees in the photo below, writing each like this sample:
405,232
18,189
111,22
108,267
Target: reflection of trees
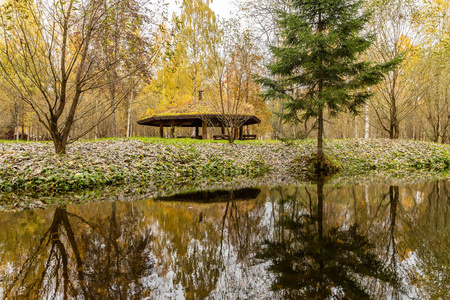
188,245
318,248
77,258
313,263
204,242
242,224
427,233
117,255
46,270
245,231
383,225
392,249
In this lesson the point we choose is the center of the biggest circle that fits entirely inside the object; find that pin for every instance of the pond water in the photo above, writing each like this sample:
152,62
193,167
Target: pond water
287,242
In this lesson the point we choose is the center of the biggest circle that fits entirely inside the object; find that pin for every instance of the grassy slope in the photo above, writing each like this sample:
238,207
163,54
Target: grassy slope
32,166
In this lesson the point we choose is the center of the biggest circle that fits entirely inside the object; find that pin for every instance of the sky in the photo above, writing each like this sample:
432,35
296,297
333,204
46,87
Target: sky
222,8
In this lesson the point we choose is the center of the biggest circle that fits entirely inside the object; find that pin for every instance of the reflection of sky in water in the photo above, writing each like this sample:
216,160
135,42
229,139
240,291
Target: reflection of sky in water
186,250
409,265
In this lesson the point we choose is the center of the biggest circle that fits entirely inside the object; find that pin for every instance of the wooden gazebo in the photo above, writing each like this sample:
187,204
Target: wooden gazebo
200,120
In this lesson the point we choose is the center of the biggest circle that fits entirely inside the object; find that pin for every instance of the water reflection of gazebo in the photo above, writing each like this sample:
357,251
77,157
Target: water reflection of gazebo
214,196
202,120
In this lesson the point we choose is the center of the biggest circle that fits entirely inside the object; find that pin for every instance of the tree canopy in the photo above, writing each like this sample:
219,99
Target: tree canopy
319,63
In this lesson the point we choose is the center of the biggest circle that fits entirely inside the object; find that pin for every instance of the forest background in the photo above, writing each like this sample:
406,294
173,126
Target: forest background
140,61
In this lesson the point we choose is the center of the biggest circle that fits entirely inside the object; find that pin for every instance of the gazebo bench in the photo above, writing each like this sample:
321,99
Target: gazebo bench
249,136
221,136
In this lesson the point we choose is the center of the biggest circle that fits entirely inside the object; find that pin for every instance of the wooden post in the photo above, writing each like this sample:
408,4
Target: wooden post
196,132
204,130
161,130
172,132
241,132
223,130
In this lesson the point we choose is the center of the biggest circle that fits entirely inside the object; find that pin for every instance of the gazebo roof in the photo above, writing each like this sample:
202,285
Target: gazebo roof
195,120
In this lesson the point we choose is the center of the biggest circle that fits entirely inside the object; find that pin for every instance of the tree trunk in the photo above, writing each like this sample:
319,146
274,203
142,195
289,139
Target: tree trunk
230,132
366,121
129,116
394,130
60,144
96,126
320,137
112,95
320,117
60,138
279,129
17,121
23,124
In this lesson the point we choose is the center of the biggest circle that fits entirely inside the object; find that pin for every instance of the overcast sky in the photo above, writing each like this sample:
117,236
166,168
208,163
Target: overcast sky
222,8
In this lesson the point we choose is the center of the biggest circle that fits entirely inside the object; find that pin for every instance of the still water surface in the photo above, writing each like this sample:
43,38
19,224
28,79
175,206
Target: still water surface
288,242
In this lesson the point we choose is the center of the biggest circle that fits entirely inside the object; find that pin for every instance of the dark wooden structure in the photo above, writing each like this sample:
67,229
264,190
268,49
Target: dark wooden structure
202,121
214,196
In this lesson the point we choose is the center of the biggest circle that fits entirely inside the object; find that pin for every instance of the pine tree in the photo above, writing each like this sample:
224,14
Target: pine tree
319,63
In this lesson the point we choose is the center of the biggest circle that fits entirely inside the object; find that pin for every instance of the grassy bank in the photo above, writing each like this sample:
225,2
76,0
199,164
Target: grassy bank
33,167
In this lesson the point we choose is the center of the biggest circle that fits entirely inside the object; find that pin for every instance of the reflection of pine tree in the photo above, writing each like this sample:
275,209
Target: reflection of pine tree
314,264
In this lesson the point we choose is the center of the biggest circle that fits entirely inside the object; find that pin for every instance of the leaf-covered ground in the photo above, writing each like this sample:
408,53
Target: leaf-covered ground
382,154
33,168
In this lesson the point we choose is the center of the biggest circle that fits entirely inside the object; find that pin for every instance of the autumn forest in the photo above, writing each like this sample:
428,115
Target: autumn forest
91,69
